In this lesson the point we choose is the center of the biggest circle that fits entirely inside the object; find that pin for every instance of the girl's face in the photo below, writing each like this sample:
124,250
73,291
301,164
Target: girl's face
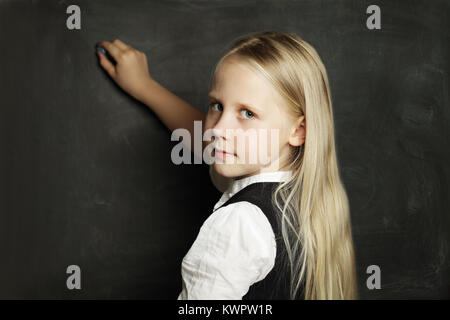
248,121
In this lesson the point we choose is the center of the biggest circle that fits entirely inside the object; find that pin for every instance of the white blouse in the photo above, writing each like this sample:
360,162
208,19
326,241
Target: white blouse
235,246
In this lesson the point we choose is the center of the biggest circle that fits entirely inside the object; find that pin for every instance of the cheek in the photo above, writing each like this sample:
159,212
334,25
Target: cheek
209,123
269,141
207,134
210,120
258,145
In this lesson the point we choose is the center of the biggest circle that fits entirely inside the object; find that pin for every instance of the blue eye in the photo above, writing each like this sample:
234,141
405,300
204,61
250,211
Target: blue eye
212,104
246,115
249,113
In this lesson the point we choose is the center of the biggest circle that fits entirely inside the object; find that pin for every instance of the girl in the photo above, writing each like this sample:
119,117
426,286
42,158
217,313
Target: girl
281,229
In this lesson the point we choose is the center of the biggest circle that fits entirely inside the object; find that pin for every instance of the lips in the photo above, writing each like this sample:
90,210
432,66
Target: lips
218,150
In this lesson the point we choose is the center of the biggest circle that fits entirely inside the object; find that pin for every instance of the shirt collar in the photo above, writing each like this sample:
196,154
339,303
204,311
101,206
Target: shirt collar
239,184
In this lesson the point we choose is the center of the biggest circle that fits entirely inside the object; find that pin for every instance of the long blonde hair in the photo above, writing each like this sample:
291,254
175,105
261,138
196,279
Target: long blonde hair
314,206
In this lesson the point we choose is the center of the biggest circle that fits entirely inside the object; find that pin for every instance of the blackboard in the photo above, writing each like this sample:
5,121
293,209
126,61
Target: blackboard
85,172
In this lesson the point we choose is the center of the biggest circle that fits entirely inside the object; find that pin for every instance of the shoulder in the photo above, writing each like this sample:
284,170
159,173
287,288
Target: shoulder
244,224
235,248
240,212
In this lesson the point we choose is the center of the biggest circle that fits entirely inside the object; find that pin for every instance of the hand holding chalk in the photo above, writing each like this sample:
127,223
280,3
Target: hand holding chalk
130,70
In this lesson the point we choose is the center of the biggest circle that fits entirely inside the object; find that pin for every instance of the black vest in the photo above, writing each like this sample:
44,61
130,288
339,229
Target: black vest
275,286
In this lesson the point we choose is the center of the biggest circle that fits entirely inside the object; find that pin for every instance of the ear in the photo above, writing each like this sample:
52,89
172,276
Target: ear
298,135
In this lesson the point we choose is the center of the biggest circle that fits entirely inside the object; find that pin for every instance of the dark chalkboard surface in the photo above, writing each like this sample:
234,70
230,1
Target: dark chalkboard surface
85,172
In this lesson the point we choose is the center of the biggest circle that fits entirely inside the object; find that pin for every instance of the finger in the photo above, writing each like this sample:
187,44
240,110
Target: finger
112,49
121,44
106,64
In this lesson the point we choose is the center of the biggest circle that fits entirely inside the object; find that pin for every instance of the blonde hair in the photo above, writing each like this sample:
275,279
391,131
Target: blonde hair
315,213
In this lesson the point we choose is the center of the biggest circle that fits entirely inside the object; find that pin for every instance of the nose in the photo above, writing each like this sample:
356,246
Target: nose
223,130
223,127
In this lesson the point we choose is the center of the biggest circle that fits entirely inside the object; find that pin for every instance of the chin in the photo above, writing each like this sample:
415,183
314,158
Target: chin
226,170
234,170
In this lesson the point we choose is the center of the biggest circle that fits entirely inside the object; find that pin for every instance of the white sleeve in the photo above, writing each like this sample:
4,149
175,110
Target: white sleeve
220,182
234,249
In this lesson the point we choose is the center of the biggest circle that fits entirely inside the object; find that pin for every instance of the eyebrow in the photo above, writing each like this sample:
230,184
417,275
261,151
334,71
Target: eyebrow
211,97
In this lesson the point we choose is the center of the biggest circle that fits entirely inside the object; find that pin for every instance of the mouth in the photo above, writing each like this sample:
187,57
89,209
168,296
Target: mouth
223,154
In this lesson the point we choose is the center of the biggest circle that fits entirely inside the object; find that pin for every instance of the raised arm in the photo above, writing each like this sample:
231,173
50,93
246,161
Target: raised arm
132,75
173,111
